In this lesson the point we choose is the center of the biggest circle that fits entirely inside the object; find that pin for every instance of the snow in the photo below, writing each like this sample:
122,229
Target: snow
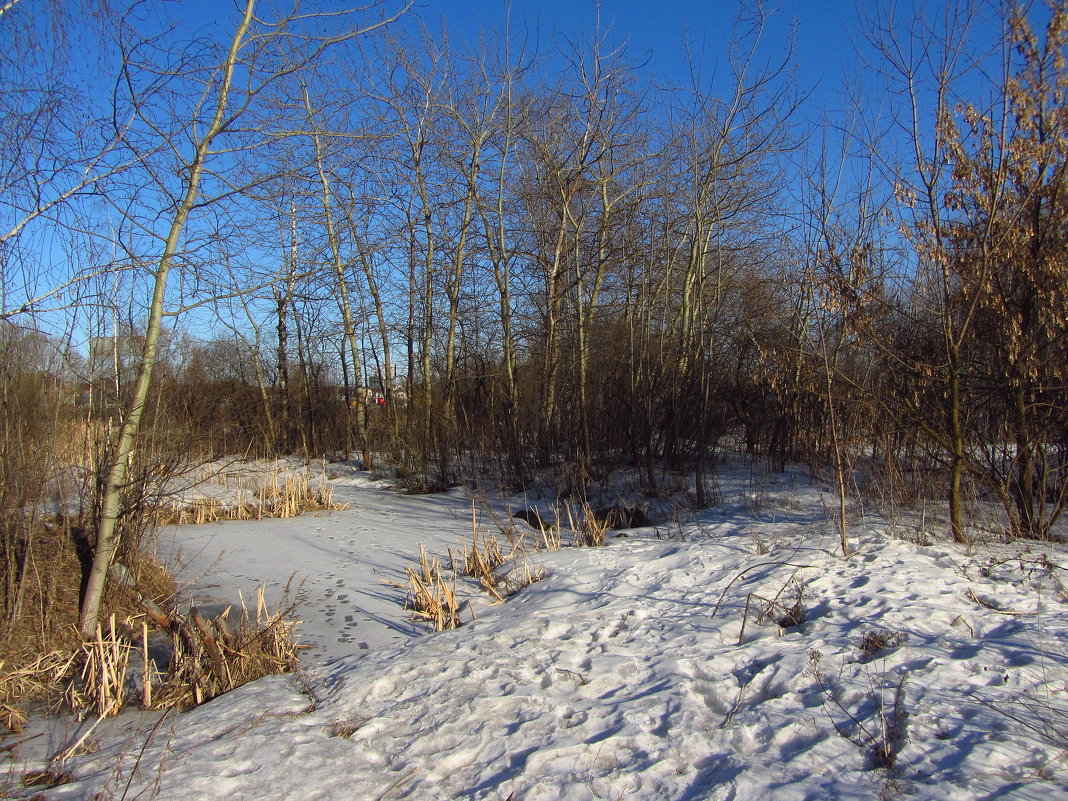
626,673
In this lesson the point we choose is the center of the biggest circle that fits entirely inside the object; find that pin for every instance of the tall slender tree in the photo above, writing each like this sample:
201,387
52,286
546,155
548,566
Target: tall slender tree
225,120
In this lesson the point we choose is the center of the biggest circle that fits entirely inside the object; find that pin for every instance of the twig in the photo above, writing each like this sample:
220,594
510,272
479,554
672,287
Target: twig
992,608
67,753
141,752
964,622
579,677
737,703
397,783
749,569
745,616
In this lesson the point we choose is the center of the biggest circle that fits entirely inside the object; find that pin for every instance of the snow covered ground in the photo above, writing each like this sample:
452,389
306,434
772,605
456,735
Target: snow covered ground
631,672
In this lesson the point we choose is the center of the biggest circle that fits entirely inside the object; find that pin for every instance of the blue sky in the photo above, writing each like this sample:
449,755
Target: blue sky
820,29
825,34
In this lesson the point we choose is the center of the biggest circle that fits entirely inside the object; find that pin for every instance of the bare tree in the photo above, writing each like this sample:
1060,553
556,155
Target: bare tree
59,147
726,188
923,61
504,116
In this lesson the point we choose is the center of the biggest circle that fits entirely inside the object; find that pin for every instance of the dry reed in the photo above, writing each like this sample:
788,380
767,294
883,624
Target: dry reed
276,498
430,597
520,577
37,679
550,539
482,561
589,531
210,657
102,688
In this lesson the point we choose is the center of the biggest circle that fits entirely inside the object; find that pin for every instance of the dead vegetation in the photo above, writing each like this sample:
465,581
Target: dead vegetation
101,688
40,650
877,726
875,641
37,679
430,597
211,656
549,533
785,612
208,657
589,527
522,576
483,558
278,498
46,560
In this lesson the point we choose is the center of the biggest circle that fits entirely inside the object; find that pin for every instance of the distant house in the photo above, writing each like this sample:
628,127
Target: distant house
371,396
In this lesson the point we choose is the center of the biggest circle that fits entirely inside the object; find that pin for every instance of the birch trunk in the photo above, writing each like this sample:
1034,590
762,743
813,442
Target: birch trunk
107,531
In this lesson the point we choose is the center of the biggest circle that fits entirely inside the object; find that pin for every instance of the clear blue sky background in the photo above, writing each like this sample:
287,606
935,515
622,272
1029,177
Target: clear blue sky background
825,35
821,30
658,27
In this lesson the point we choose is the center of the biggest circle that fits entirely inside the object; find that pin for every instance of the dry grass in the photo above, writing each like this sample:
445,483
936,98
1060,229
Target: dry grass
520,577
878,728
589,530
550,537
481,561
430,597
346,728
39,678
875,641
213,656
102,688
40,651
550,533
784,612
41,612
41,655
209,658
276,498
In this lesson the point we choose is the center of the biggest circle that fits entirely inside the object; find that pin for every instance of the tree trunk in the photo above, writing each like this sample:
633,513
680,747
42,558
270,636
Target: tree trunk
339,276
107,534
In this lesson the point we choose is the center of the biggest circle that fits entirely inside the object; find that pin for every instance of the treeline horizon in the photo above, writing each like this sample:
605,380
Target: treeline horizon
569,269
